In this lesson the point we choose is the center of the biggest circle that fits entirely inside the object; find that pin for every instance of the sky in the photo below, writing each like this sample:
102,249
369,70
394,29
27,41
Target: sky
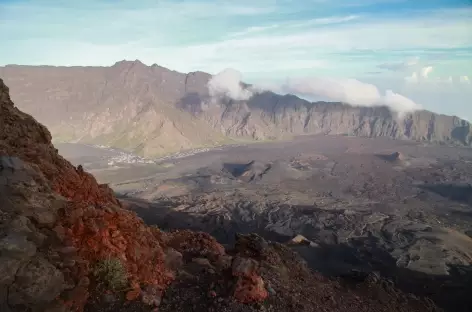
407,54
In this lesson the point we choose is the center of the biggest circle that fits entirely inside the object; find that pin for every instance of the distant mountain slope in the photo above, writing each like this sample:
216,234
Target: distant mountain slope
152,110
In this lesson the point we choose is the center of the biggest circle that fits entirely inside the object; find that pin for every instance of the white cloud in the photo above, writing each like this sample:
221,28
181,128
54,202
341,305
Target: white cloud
350,91
325,21
464,79
396,66
248,52
252,30
394,35
422,78
413,78
439,80
345,90
228,83
425,71
291,24
398,102
146,9
412,61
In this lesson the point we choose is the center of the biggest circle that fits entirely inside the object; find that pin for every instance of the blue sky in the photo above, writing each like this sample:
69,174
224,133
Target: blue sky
419,49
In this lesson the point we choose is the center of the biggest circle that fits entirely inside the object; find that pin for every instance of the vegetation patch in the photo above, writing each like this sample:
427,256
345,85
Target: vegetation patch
110,274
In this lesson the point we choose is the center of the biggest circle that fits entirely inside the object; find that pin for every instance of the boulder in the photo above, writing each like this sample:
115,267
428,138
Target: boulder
249,286
37,282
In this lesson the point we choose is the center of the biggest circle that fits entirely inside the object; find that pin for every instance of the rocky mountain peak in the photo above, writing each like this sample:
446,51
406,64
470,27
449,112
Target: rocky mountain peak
128,63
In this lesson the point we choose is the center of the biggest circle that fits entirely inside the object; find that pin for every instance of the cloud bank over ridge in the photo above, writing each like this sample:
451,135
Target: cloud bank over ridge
350,91
229,83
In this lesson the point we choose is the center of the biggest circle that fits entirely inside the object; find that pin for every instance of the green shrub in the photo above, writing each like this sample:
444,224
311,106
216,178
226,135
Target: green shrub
111,274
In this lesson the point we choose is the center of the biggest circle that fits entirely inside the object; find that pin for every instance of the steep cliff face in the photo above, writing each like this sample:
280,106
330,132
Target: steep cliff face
270,115
66,244
152,110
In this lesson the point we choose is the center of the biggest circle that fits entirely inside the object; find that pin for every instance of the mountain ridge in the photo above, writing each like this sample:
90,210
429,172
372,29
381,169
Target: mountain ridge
152,110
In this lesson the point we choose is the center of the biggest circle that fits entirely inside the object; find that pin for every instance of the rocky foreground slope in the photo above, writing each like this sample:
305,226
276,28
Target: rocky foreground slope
152,110
66,244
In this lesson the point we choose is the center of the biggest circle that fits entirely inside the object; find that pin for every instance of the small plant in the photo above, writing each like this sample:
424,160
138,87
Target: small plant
111,274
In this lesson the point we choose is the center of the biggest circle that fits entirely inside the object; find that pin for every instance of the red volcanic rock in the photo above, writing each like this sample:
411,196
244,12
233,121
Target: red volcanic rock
249,285
99,234
194,244
250,289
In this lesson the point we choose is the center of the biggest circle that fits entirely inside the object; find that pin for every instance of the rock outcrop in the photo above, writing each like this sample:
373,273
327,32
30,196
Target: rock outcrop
66,244
151,110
